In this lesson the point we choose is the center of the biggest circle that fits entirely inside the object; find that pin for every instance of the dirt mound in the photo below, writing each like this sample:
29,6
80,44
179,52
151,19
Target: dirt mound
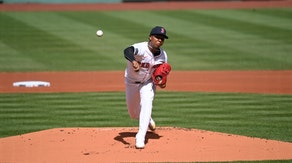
166,144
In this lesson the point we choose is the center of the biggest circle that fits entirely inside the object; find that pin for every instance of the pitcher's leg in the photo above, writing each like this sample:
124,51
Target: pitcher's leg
133,100
147,96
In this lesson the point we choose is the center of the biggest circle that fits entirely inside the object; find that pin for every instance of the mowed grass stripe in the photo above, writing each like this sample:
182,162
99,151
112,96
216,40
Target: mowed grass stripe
266,116
221,112
44,49
201,39
271,38
79,29
271,18
10,59
244,40
181,45
275,12
62,110
116,28
13,42
63,42
212,40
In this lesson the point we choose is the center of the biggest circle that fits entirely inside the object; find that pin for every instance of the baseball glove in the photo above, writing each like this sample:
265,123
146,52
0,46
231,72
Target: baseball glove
160,74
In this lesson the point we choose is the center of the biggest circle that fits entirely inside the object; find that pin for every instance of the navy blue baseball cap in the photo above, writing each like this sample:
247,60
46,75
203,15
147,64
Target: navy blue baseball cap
159,31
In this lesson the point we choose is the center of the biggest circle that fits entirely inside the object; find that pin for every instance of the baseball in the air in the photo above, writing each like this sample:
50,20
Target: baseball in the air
99,33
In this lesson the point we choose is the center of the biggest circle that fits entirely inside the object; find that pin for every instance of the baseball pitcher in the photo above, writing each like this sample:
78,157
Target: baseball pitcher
146,68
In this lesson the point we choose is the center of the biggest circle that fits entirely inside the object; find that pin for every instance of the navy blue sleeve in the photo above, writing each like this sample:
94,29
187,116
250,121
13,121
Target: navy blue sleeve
129,53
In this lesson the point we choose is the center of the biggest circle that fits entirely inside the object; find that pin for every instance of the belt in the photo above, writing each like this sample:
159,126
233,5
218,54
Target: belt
137,82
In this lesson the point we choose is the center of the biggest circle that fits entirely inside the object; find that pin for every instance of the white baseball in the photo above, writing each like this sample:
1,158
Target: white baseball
99,33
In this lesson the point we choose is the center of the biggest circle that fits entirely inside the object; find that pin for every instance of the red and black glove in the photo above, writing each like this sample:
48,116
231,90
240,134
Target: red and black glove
160,74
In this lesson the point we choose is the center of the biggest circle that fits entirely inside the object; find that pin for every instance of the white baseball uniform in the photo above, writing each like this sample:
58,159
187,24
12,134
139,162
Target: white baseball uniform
140,90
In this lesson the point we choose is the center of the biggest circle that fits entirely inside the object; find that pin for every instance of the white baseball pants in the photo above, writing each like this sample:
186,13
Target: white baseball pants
139,98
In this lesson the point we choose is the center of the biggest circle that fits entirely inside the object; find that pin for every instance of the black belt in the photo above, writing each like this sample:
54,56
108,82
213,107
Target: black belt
137,82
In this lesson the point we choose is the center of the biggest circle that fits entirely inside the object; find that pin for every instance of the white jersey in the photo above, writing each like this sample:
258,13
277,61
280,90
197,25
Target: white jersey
147,62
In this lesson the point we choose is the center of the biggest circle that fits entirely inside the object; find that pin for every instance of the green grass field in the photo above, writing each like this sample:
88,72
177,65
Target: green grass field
249,39
199,39
266,116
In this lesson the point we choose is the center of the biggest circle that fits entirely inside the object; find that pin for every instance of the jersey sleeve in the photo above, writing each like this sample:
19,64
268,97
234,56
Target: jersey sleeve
129,53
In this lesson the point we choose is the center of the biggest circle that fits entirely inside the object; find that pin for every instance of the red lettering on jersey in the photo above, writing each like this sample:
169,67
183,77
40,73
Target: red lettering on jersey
145,65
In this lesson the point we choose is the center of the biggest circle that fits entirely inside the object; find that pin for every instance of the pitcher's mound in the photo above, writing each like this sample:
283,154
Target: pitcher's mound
166,144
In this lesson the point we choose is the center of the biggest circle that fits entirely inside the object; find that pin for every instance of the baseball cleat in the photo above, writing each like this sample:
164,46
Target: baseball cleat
140,144
152,125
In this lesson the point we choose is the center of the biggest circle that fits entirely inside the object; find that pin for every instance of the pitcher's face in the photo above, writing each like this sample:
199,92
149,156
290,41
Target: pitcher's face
156,40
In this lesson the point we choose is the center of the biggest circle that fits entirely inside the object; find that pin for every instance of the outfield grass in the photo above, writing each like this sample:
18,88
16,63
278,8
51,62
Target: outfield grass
199,39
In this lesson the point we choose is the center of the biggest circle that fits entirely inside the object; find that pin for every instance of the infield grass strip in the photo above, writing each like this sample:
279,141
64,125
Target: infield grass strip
200,39
265,116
